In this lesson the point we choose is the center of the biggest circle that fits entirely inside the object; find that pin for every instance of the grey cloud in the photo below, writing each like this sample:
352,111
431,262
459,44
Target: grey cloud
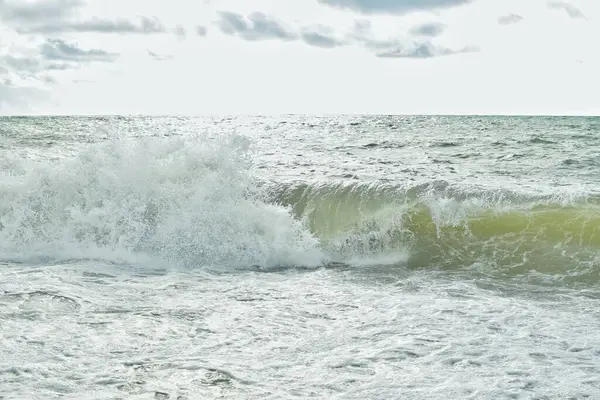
392,6
180,31
51,56
23,11
29,66
362,27
21,63
48,79
201,30
145,25
320,40
424,50
321,36
570,9
257,27
402,48
58,50
363,34
59,16
509,19
159,57
430,29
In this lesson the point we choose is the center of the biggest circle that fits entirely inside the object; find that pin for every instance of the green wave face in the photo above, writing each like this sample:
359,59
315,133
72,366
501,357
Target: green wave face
490,234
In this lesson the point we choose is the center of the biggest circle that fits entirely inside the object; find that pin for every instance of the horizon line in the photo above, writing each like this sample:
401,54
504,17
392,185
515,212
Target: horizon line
129,115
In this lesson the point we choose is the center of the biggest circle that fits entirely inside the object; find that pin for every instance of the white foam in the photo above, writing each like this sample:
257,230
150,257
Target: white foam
190,200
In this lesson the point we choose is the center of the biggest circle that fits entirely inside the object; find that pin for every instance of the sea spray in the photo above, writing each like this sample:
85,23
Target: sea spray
192,201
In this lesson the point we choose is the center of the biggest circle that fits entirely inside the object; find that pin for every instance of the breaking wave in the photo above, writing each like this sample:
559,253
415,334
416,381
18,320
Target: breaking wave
439,225
191,201
195,202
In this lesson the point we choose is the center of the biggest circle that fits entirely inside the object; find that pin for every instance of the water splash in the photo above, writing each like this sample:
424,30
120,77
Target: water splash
188,200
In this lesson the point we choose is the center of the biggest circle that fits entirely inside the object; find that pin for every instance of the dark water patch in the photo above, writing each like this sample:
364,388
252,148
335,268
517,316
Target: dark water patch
538,140
384,145
89,274
445,144
438,161
508,157
466,155
582,162
45,301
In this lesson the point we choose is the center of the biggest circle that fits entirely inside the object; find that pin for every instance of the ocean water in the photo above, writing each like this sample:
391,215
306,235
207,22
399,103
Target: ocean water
358,257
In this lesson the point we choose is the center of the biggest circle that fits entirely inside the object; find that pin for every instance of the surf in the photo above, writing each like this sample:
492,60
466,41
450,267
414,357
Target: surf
190,201
444,226
197,202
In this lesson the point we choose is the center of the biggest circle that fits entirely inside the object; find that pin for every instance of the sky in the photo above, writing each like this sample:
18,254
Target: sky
195,57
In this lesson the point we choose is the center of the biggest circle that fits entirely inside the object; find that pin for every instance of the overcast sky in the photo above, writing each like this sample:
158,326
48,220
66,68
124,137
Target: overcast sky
299,56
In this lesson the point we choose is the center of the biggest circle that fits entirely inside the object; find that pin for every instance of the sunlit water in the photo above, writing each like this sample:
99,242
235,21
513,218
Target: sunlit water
299,257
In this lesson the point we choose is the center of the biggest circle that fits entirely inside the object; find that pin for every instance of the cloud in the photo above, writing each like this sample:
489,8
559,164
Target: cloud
201,30
180,31
424,50
145,25
59,16
24,11
392,6
51,56
260,27
58,50
321,36
363,34
159,57
430,29
256,27
320,40
509,19
27,72
570,9
29,66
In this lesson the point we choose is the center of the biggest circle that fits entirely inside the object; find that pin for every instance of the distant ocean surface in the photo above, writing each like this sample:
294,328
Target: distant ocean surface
296,257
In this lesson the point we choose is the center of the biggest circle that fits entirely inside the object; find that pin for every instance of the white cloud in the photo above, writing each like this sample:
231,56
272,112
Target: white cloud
317,56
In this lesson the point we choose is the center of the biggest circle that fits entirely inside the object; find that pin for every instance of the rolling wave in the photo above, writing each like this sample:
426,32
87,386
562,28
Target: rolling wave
195,202
443,226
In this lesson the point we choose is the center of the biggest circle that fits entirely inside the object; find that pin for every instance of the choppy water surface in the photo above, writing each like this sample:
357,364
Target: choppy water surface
296,257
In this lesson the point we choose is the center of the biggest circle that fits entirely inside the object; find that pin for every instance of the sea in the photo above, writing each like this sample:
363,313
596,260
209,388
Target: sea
300,257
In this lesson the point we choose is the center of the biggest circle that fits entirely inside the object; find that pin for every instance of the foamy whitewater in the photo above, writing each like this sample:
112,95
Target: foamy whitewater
373,257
